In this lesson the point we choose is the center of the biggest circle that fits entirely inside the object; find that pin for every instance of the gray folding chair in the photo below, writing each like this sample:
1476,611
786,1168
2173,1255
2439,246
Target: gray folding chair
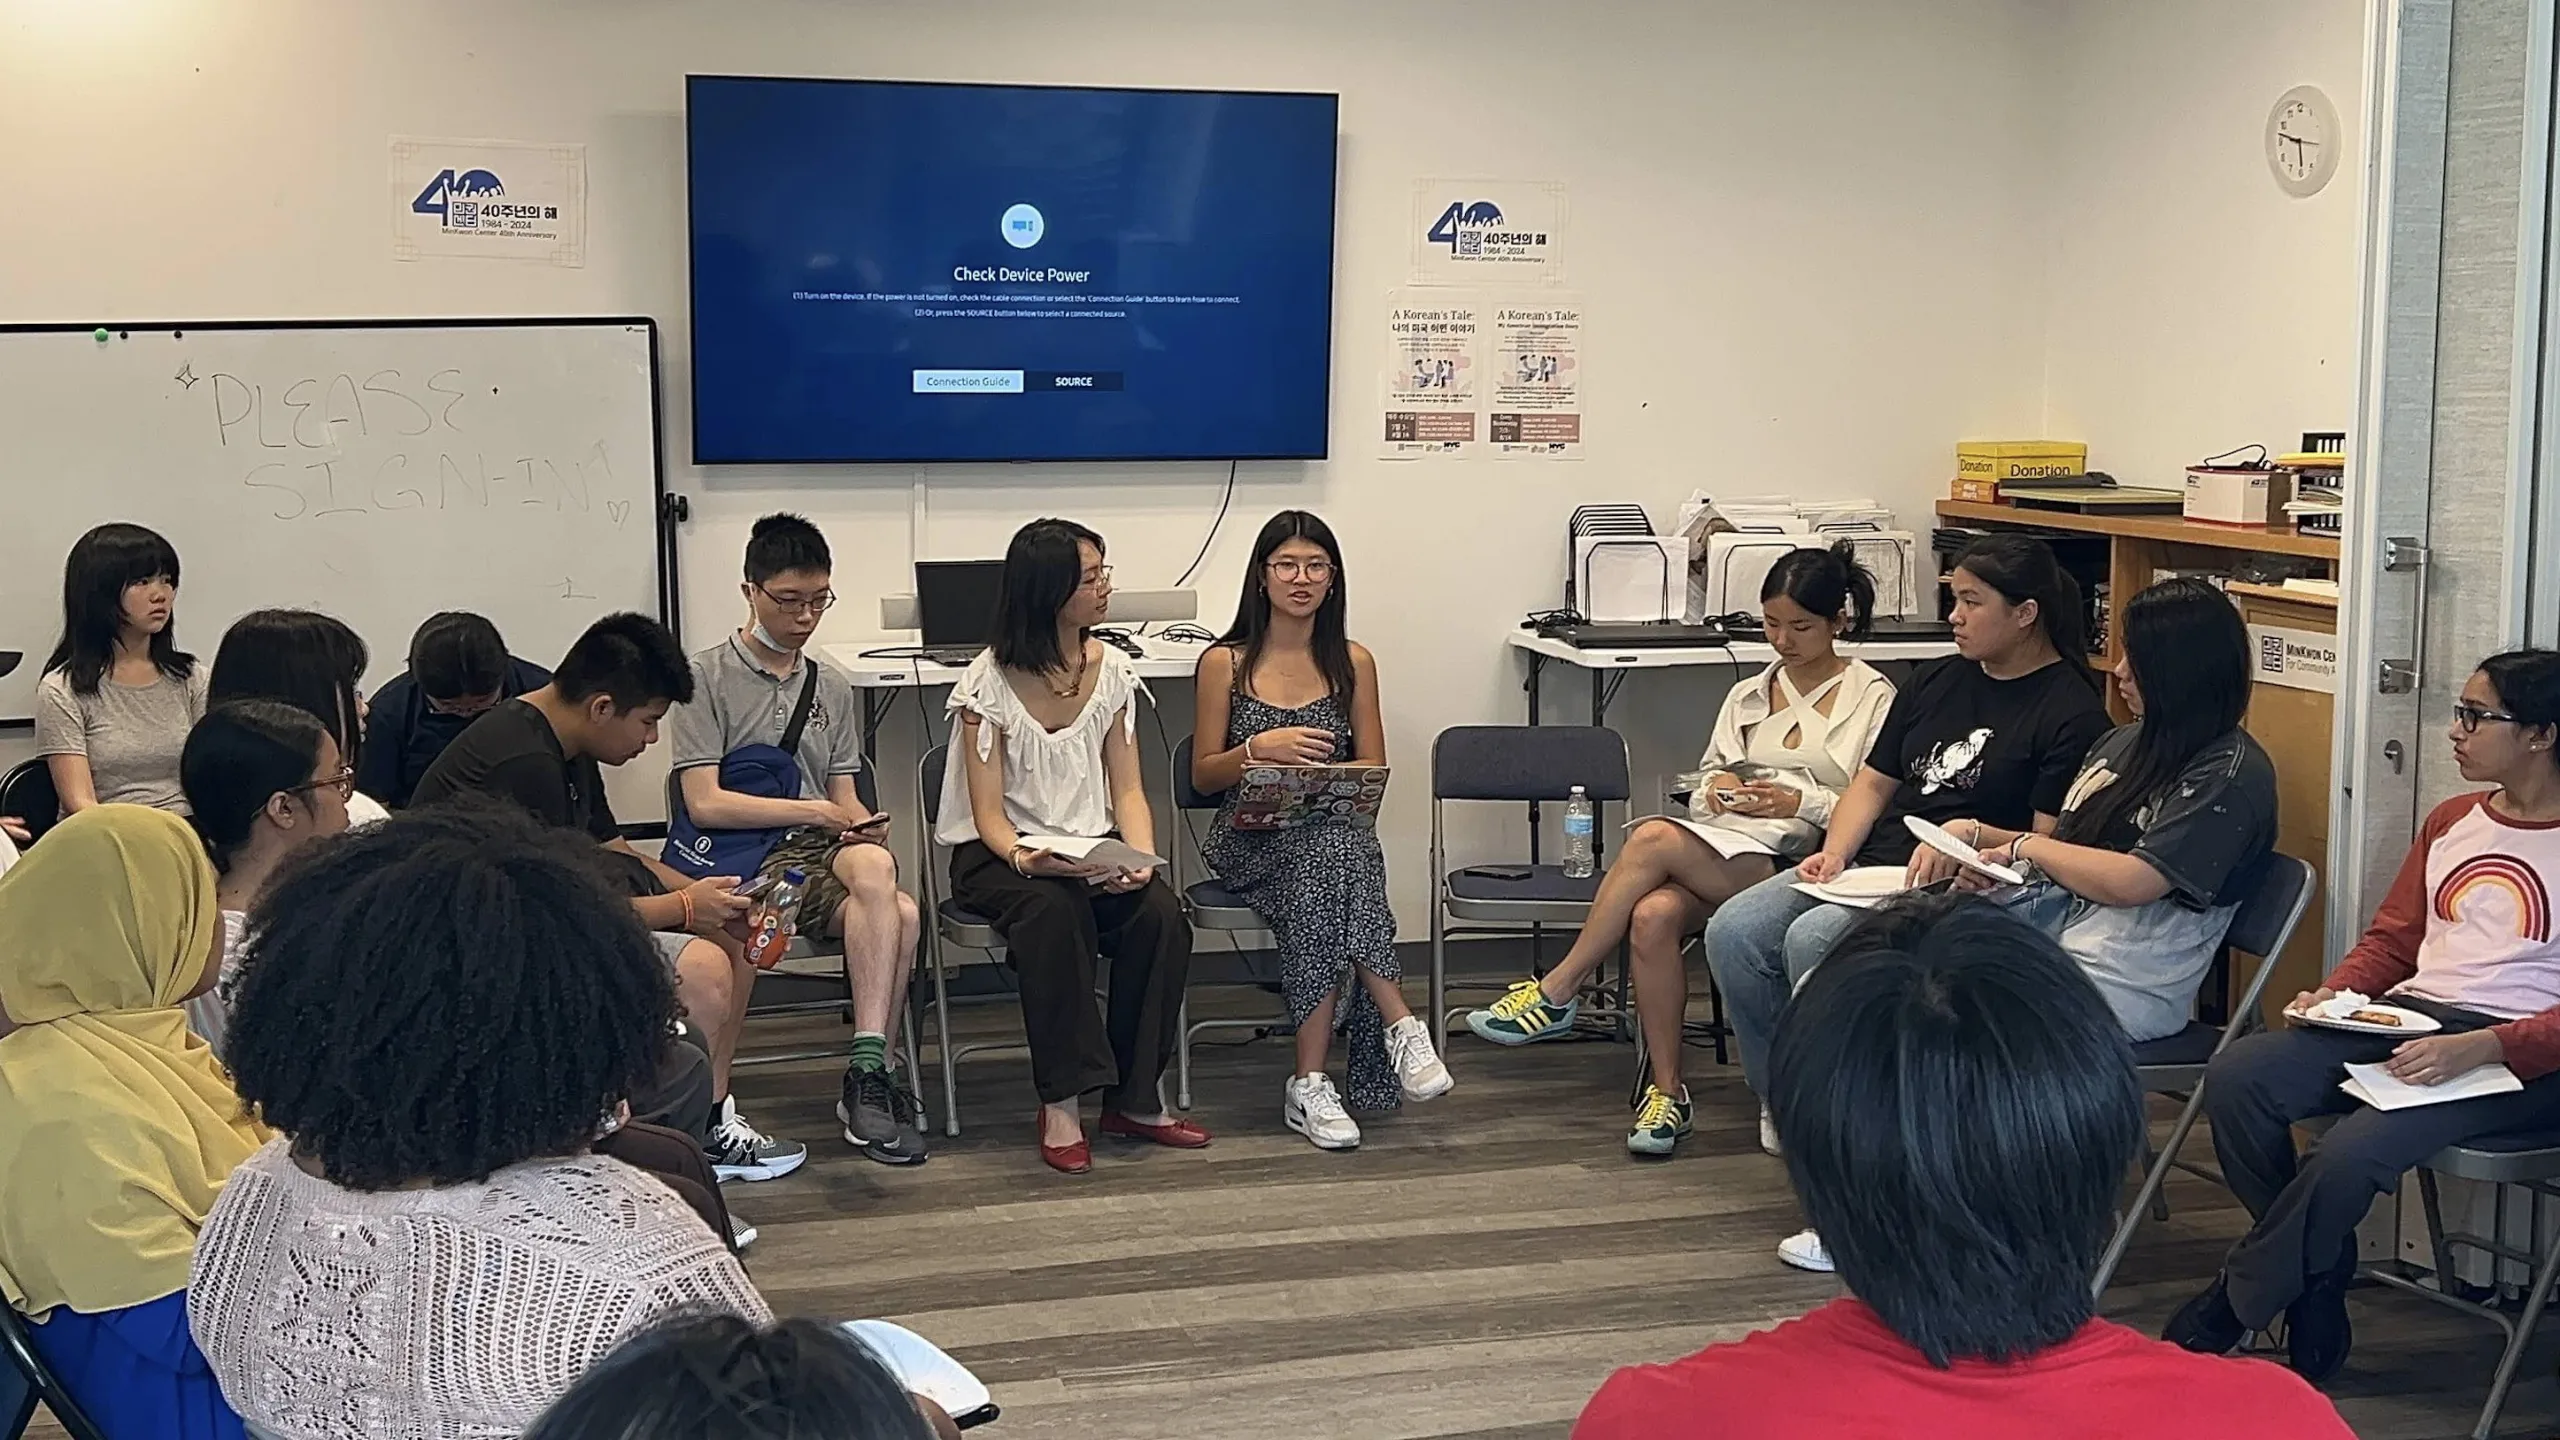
2527,1162
1528,763
27,792
1210,908
953,924
26,1379
2175,1064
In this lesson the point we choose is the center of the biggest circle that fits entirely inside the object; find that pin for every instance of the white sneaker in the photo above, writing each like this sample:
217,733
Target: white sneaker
741,1234
1804,1251
1769,1138
1311,1106
1409,1046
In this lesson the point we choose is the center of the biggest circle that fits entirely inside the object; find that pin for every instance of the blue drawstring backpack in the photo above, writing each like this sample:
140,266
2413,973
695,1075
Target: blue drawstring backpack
771,771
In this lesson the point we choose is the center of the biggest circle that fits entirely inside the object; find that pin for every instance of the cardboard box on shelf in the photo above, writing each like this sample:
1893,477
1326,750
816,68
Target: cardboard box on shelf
1973,491
2237,495
2001,460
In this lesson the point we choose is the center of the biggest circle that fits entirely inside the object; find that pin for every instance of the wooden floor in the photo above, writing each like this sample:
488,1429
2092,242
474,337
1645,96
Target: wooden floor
1475,1269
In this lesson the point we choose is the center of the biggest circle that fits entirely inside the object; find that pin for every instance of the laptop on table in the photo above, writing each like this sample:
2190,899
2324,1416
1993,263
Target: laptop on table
956,608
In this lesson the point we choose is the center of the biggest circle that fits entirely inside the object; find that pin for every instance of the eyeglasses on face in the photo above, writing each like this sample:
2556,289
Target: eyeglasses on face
818,604
1318,571
1098,578
2468,718
344,782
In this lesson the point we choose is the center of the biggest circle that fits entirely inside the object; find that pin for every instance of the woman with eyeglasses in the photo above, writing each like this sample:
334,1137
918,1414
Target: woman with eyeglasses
312,661
2465,940
1044,736
1286,686
263,779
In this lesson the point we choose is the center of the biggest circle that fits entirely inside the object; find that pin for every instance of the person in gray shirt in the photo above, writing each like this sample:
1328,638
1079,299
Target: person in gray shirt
118,696
745,690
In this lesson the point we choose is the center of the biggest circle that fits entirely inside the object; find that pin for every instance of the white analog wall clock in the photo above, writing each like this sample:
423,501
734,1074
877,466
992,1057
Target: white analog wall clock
2303,141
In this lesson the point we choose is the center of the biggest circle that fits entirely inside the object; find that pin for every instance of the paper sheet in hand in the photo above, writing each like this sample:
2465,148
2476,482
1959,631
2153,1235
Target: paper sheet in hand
923,1368
1102,850
2376,1087
1861,888
1727,843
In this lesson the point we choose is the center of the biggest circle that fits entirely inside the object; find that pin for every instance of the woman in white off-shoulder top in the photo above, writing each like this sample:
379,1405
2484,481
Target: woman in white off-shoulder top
1044,745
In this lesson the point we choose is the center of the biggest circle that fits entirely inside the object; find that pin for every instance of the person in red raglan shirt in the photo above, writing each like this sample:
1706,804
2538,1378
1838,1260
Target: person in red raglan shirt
1958,1108
2466,938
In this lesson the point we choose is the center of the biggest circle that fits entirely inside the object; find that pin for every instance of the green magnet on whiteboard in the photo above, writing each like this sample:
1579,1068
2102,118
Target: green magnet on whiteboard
101,335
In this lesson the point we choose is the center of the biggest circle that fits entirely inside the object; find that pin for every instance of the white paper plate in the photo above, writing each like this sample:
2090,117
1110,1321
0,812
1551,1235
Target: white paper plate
2411,1022
1935,836
1862,888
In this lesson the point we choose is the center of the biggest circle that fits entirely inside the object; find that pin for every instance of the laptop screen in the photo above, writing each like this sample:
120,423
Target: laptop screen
956,602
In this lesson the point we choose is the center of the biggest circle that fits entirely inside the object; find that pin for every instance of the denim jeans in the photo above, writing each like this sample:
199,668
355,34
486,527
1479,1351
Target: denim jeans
1760,945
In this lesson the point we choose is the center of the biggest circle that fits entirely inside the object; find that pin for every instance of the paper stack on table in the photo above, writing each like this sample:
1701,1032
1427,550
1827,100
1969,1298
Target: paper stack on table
2375,1086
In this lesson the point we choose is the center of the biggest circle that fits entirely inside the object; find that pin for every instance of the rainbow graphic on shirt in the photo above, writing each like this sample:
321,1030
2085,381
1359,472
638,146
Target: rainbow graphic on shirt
2497,874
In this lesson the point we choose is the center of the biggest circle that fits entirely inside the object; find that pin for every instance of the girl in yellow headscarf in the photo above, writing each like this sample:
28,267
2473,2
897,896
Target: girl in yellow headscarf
117,1126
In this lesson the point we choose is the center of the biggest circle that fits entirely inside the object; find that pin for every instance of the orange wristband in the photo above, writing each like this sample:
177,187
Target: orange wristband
687,897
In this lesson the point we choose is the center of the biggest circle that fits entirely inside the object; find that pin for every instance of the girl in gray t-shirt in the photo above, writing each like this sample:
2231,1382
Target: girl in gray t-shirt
118,695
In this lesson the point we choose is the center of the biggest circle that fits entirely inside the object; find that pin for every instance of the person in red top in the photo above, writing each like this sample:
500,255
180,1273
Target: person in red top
2466,938
1958,1109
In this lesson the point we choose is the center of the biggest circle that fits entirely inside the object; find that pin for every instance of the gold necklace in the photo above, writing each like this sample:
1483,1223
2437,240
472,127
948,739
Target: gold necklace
1073,686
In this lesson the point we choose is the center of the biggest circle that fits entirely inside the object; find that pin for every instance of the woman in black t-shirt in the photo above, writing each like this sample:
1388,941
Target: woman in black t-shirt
1994,732
2169,825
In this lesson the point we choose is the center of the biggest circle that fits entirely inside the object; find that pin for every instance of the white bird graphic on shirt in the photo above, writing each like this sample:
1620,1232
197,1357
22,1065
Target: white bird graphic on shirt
1953,762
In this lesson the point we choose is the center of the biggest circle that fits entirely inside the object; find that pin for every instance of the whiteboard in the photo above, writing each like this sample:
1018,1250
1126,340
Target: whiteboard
376,470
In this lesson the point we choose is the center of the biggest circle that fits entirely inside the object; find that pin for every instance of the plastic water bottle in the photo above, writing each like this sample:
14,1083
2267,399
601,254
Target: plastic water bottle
1580,821
773,921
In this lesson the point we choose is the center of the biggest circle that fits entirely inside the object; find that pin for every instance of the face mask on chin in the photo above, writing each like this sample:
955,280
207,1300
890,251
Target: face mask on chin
765,638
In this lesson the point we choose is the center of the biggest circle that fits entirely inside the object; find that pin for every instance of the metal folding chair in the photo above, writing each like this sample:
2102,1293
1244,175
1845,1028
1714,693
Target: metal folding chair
2530,1163
20,1362
2175,1064
27,792
1521,763
1210,907
954,924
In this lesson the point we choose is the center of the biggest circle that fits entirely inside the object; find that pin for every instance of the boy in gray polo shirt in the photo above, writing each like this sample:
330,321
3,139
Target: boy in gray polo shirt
744,691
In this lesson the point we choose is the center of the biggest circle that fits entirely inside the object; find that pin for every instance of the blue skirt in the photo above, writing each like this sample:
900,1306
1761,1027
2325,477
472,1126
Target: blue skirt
136,1372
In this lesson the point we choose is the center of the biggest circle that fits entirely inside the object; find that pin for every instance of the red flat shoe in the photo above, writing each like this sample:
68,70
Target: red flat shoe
1179,1134
1073,1159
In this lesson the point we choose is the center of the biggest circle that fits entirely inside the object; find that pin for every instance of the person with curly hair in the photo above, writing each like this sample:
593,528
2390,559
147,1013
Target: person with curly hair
443,1015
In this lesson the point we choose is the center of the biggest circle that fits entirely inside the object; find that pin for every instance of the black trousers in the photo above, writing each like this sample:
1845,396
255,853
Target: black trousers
1056,933
2307,1208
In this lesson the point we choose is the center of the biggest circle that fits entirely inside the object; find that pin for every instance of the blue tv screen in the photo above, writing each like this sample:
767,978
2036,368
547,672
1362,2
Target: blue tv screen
891,271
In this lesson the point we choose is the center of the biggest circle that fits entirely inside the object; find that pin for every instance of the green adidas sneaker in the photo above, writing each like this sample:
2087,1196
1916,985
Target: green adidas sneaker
1661,1122
1523,1016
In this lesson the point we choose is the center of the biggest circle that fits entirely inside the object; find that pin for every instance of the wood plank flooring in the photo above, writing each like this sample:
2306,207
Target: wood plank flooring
1474,1270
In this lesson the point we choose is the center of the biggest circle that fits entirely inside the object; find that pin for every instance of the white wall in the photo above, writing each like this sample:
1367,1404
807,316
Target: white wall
2190,305
1795,228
